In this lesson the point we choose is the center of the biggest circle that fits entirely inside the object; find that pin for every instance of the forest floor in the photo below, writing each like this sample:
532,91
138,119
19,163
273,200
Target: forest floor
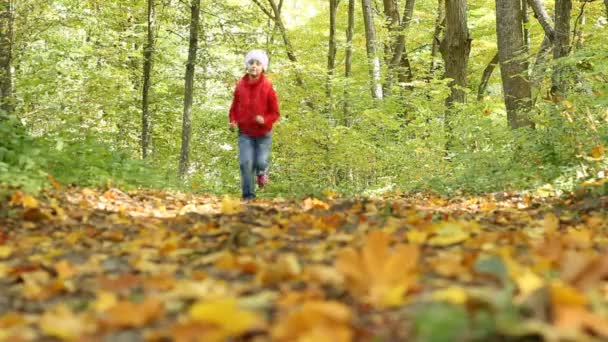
107,265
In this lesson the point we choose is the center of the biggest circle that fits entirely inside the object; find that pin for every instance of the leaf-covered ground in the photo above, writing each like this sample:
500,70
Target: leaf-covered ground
91,265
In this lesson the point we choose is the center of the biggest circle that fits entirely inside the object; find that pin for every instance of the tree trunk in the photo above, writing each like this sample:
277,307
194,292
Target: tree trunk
370,45
397,60
391,14
146,131
6,53
540,64
513,63
543,18
563,9
439,24
487,73
577,33
526,23
455,49
274,13
606,4
350,31
189,81
331,52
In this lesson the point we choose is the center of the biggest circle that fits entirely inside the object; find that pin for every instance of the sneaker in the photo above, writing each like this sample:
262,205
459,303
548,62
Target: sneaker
262,180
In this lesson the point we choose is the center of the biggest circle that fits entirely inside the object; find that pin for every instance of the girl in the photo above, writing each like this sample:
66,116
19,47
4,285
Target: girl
254,110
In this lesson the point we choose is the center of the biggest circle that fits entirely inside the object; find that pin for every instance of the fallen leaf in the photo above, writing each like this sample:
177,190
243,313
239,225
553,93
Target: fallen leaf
231,206
225,315
580,319
62,323
126,314
317,321
378,274
449,233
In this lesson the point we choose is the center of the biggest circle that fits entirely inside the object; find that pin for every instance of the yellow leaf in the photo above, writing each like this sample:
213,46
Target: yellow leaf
417,237
126,314
231,206
528,282
313,203
378,274
64,269
453,294
448,233
5,252
62,323
562,294
567,104
550,223
27,201
598,151
104,301
315,321
225,314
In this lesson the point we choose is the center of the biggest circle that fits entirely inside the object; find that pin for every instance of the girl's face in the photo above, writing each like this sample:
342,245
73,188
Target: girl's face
254,68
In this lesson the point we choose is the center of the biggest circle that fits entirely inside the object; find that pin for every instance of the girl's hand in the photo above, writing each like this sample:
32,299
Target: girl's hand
259,119
233,125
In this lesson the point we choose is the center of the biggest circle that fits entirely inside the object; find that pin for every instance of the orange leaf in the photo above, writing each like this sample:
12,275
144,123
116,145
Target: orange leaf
317,321
380,275
598,151
126,314
580,319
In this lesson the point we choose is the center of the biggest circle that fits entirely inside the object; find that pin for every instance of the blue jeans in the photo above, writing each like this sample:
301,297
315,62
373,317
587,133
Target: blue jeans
253,160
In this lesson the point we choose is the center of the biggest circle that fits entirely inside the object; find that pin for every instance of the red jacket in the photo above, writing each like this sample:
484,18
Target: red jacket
253,98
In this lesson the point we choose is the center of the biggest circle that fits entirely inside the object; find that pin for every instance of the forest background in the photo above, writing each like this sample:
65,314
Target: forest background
375,95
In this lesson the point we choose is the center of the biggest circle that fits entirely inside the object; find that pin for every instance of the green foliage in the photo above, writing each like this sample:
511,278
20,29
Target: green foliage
20,159
439,322
88,162
78,85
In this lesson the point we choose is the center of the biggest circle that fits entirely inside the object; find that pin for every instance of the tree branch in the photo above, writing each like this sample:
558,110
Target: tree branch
265,10
543,18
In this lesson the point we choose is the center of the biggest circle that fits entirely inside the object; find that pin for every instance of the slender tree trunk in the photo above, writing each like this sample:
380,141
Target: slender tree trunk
189,82
350,31
455,49
6,54
513,62
577,33
439,25
606,4
542,57
146,131
543,18
563,9
540,64
526,22
331,51
487,73
370,44
274,13
396,56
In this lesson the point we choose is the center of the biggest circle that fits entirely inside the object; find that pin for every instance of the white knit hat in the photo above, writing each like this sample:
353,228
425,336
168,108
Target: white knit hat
258,55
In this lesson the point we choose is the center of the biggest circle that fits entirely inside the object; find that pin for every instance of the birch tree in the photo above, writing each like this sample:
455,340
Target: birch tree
371,48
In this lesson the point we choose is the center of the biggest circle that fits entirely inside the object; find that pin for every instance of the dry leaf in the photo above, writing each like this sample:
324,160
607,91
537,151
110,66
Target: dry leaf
126,314
580,319
231,206
62,323
225,315
316,321
378,274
